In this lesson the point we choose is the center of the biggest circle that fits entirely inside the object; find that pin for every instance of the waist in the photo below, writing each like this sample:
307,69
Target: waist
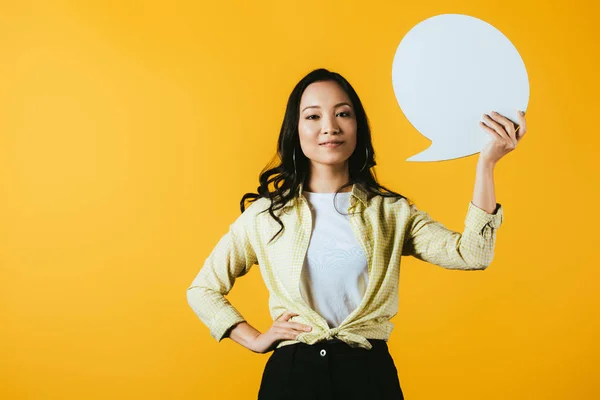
376,331
373,342
330,341
334,346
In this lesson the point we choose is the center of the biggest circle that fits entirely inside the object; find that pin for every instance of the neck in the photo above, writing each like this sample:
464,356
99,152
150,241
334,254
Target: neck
327,179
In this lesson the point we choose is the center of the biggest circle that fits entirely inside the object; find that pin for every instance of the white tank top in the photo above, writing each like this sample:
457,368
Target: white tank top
334,274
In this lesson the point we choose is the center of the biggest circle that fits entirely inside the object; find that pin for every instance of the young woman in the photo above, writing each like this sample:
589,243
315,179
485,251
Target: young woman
329,239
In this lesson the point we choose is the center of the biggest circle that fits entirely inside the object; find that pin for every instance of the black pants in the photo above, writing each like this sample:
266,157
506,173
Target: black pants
330,371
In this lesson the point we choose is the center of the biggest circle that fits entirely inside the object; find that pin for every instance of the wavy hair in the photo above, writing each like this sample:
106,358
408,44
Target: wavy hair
292,170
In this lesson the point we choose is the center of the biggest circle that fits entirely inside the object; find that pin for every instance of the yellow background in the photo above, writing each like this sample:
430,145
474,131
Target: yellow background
130,130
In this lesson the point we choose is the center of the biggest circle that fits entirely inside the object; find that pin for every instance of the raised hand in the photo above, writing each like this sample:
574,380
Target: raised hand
505,135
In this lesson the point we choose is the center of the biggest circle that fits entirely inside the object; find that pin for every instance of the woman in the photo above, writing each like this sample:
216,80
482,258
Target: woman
333,276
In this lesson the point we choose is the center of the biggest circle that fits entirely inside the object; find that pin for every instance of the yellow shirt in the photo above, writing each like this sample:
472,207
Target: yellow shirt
386,229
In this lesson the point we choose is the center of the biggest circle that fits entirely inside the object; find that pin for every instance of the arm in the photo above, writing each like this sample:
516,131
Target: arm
232,257
244,334
484,196
430,241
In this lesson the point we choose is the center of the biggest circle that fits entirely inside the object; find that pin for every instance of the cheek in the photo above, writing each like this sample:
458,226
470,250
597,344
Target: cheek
351,142
307,131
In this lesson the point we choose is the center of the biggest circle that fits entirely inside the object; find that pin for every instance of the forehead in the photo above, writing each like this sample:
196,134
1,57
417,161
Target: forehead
323,93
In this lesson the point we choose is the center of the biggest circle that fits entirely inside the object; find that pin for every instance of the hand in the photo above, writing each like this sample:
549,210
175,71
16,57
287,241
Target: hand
505,135
280,330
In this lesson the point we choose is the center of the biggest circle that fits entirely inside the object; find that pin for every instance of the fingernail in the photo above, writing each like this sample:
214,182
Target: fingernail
521,112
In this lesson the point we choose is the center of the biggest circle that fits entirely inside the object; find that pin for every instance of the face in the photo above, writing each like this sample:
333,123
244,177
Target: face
327,114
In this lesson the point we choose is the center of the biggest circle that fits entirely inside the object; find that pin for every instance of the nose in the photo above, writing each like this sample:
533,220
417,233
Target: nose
330,125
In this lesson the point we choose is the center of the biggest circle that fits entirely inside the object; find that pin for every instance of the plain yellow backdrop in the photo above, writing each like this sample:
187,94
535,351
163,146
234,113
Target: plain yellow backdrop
130,130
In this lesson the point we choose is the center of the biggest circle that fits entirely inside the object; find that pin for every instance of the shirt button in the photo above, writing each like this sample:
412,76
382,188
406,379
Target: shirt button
323,352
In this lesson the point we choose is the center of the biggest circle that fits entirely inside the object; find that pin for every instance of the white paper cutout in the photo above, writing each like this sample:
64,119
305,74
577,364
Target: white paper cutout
447,72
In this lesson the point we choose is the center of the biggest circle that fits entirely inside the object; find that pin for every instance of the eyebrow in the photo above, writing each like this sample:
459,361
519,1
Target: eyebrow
337,105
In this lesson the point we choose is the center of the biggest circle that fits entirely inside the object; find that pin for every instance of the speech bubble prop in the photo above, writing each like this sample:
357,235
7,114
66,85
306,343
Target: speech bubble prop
447,72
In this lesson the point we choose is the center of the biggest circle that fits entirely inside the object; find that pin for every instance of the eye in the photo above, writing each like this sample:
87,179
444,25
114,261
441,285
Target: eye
343,112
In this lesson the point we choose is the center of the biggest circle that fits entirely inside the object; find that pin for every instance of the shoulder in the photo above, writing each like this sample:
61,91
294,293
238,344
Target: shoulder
399,208
258,210
256,207
392,203
247,218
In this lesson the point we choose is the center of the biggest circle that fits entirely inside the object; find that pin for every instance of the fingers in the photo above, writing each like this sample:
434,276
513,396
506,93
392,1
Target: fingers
277,333
505,127
493,134
286,316
283,321
287,332
287,329
496,125
296,325
509,126
293,326
522,124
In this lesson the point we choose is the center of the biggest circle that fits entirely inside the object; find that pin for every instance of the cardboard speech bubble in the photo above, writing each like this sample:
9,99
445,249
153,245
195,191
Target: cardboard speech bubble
447,72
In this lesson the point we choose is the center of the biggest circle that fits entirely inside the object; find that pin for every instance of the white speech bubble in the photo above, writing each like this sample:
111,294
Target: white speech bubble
447,72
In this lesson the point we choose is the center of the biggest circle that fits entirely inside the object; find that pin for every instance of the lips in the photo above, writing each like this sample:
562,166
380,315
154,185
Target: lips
332,142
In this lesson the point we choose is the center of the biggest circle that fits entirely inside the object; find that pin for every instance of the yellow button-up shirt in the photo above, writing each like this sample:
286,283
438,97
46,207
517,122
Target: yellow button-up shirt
386,229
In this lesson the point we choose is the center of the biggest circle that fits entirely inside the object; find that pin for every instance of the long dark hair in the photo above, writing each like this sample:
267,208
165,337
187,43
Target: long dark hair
286,179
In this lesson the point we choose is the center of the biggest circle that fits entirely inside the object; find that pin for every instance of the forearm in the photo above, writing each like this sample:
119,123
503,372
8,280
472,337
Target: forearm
484,196
244,334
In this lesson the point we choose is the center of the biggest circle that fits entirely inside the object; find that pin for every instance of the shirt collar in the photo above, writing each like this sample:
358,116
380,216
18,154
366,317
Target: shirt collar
357,191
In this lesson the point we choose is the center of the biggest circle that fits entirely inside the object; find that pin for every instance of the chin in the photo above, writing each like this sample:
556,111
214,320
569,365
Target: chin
334,160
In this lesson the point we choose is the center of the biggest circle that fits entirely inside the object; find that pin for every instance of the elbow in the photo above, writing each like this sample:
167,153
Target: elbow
476,264
485,263
196,297
481,260
482,267
196,293
189,293
473,267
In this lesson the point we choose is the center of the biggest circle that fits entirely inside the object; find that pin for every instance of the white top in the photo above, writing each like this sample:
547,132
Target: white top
334,275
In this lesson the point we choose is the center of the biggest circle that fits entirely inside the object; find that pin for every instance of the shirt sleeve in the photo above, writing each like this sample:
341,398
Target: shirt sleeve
430,241
232,257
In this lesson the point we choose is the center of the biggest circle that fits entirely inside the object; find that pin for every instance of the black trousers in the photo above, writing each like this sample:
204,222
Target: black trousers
330,370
